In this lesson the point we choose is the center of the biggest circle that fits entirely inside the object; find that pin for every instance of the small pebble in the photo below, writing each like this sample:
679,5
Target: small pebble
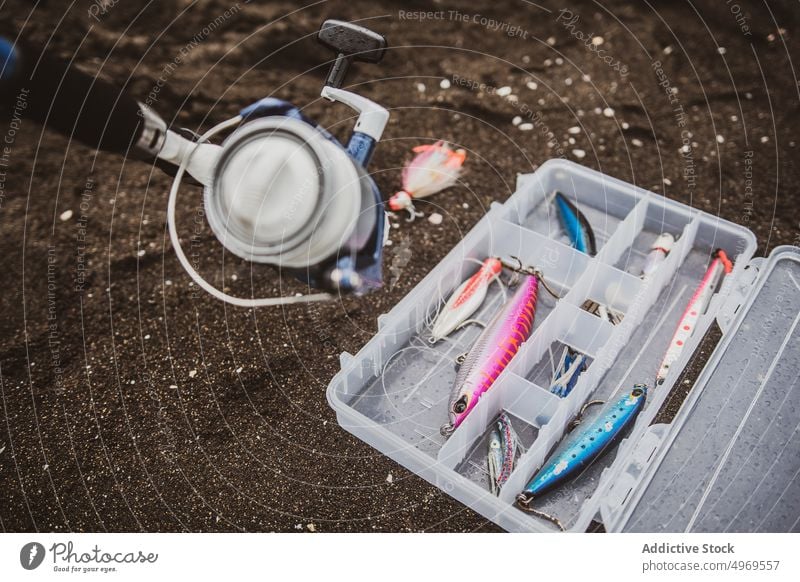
571,141
66,215
239,370
140,253
580,154
389,478
637,142
548,62
147,337
173,386
435,218
516,121
720,139
551,40
667,182
608,112
559,61
311,527
585,78
421,87
764,139
597,111
444,84
721,50
574,130
568,81
525,126
504,91
625,125
597,40
531,85
668,50
192,373
465,206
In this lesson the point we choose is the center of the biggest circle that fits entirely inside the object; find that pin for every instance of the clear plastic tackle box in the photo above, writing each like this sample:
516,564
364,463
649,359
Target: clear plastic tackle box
730,459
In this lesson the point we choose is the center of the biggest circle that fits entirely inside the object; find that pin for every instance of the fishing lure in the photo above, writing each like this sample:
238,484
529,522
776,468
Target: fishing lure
465,300
578,229
658,253
496,346
503,445
568,371
585,446
719,267
435,168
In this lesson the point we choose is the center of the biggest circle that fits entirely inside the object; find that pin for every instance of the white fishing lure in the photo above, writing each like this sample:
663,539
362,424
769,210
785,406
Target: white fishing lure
465,300
435,168
718,268
658,254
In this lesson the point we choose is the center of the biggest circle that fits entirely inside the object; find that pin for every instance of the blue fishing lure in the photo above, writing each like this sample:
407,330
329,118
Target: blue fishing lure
586,446
578,228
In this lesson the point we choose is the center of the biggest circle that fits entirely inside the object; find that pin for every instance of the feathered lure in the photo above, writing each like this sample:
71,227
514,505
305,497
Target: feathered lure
435,168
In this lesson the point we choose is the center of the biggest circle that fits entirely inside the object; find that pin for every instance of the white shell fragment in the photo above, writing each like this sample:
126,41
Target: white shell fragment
435,218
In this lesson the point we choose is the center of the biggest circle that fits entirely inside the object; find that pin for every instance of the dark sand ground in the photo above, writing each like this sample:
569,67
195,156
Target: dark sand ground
136,404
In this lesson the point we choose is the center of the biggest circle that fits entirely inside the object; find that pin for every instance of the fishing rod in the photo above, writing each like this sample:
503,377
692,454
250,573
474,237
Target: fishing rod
279,190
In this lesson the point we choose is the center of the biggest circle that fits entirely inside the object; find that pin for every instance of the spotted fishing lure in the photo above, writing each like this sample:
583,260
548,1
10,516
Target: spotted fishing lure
503,446
569,369
495,348
435,168
578,229
465,300
585,446
719,267
658,254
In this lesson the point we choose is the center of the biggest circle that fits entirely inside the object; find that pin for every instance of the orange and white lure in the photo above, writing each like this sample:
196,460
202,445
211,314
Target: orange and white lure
720,266
465,300
435,168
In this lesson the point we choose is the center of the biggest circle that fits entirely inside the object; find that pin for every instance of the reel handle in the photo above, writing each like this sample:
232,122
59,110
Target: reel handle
350,42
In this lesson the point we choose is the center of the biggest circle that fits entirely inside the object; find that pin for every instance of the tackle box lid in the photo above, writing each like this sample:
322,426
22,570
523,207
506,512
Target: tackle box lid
730,460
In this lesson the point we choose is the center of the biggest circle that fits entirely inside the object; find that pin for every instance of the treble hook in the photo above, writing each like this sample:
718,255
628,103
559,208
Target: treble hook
525,270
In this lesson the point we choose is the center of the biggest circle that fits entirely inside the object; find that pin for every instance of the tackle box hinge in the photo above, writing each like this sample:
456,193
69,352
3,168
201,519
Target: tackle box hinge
624,484
345,358
523,178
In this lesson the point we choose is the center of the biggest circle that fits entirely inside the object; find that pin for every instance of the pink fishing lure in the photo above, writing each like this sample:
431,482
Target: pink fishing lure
434,168
496,346
719,267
